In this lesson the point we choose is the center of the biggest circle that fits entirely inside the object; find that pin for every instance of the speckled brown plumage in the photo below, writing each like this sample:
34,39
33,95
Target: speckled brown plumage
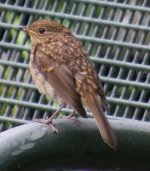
60,68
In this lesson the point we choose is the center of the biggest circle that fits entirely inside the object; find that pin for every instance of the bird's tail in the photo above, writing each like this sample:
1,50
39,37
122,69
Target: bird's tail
106,132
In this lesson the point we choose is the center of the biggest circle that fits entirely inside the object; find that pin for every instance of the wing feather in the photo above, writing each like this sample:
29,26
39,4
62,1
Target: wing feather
61,79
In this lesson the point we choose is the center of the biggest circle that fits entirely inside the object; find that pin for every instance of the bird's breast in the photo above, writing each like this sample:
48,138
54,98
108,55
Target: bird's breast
39,80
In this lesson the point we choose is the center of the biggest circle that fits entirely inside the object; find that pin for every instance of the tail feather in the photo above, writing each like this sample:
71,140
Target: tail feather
106,132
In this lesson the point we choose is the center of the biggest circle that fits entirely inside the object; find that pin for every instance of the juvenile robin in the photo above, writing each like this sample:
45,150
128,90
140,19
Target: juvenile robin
61,69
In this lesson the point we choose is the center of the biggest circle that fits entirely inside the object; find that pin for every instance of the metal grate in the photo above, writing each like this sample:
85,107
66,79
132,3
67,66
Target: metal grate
116,34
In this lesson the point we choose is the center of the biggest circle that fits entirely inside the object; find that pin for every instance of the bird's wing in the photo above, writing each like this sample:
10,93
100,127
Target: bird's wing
60,77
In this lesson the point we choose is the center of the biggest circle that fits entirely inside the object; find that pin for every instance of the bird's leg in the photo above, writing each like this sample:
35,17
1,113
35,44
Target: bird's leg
55,114
72,115
49,120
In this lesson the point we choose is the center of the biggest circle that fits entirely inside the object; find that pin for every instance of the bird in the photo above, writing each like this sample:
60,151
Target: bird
60,68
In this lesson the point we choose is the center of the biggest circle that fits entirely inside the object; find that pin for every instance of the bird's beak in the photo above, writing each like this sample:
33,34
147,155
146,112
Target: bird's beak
24,28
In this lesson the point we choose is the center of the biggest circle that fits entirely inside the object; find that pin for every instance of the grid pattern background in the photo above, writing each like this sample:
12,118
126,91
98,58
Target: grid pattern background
115,33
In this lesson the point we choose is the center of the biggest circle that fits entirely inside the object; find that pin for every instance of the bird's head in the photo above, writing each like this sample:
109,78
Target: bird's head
44,28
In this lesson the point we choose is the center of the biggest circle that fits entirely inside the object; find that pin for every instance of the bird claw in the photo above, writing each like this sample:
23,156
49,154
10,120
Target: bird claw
72,116
54,129
47,122
44,121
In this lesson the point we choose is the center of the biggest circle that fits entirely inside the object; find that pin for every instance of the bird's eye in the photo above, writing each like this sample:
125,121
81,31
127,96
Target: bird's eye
41,30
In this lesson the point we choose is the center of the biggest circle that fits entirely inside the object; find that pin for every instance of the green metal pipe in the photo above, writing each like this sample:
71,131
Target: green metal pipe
105,61
85,19
77,145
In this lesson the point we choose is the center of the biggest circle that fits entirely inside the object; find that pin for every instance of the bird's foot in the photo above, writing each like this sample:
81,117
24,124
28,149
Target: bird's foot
73,116
54,129
47,122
